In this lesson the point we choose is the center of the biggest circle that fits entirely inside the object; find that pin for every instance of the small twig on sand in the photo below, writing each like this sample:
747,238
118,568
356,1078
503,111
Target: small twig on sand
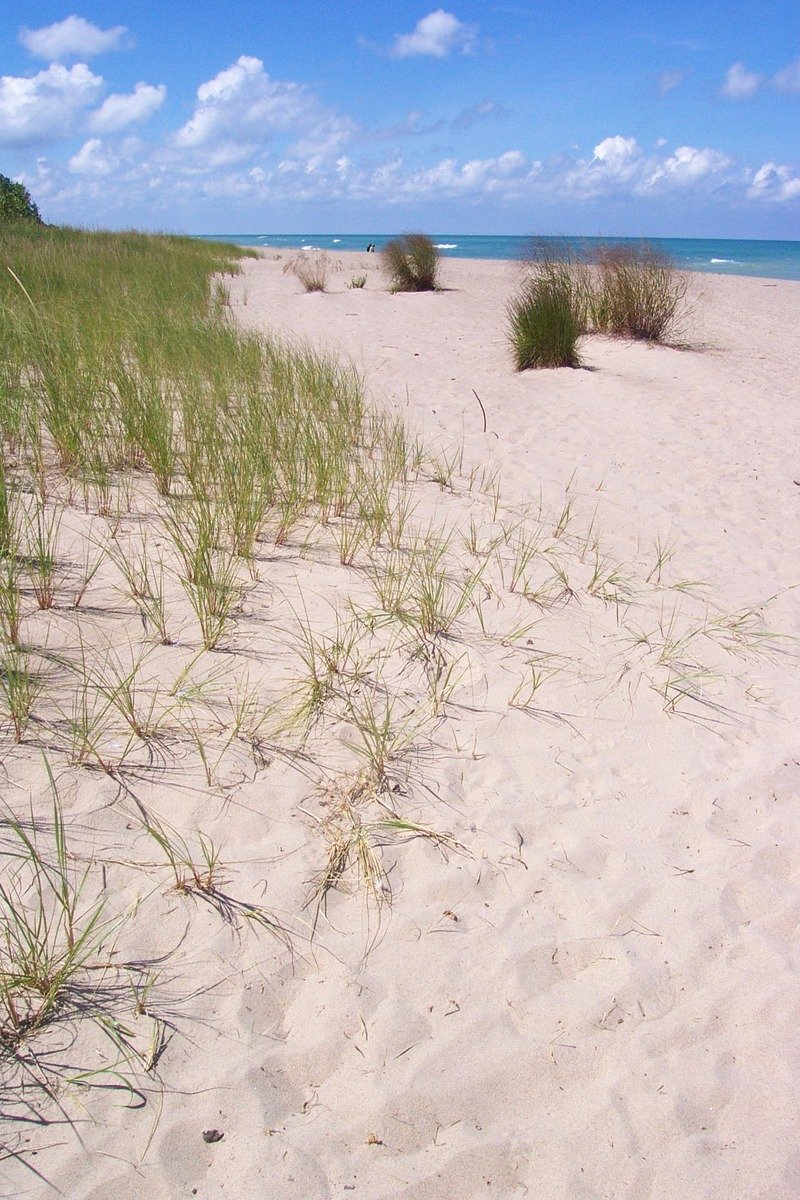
483,410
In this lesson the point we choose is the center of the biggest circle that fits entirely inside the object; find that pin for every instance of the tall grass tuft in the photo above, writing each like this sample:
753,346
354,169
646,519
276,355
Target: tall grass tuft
639,292
312,270
411,262
48,931
544,319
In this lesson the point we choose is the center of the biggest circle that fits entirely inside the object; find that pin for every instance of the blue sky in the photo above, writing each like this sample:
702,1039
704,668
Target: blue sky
514,116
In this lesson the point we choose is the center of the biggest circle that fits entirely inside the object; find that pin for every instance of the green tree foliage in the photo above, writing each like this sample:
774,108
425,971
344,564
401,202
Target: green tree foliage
16,203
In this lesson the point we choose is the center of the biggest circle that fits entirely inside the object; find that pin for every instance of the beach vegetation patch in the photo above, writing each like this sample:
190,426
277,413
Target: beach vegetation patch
544,320
250,620
312,270
411,263
638,293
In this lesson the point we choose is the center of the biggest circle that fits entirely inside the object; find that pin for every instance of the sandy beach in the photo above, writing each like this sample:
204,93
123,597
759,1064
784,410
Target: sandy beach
572,973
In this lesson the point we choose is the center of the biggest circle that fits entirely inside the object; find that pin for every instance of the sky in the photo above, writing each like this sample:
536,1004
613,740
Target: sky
508,117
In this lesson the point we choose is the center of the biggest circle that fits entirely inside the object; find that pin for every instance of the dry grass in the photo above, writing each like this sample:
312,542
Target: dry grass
639,293
411,262
313,270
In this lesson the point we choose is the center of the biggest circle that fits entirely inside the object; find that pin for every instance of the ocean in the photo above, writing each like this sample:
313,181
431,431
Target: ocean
724,256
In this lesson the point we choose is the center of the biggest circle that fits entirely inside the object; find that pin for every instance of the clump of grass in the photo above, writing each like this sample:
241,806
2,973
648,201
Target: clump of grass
48,932
11,614
358,281
201,874
210,578
544,320
43,529
639,292
144,585
312,270
20,688
411,262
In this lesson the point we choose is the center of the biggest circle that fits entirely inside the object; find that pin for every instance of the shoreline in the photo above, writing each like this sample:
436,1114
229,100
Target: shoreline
374,258
700,256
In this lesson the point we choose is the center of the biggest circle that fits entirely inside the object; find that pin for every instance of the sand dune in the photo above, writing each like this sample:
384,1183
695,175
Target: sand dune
585,983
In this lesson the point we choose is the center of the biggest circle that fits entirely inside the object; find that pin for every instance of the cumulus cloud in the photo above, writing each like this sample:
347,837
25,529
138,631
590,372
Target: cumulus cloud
47,106
254,140
242,109
740,84
121,110
616,152
788,79
72,38
437,35
478,176
774,182
619,166
92,159
615,166
687,166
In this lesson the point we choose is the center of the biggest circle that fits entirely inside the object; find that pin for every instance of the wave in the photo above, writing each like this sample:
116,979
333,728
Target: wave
335,240
447,245
734,262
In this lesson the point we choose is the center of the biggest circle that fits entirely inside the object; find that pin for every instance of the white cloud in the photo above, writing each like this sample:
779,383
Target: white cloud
119,111
788,80
242,109
477,176
619,166
687,166
47,106
615,165
740,84
436,36
617,152
774,182
92,159
72,38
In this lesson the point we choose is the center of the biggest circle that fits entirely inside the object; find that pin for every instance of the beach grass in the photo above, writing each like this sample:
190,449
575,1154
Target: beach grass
222,572
312,270
638,293
544,326
411,263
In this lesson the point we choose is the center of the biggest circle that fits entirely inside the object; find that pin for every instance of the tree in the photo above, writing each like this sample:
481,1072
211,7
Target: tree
16,203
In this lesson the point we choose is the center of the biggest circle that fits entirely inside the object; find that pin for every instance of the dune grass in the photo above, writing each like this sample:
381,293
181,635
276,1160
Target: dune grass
172,490
544,329
411,262
638,293
312,270
119,359
625,290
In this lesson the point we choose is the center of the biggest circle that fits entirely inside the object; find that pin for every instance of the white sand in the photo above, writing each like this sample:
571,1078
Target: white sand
597,997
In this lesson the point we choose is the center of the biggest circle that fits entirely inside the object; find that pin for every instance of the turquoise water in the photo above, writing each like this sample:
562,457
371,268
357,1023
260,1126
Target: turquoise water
725,256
